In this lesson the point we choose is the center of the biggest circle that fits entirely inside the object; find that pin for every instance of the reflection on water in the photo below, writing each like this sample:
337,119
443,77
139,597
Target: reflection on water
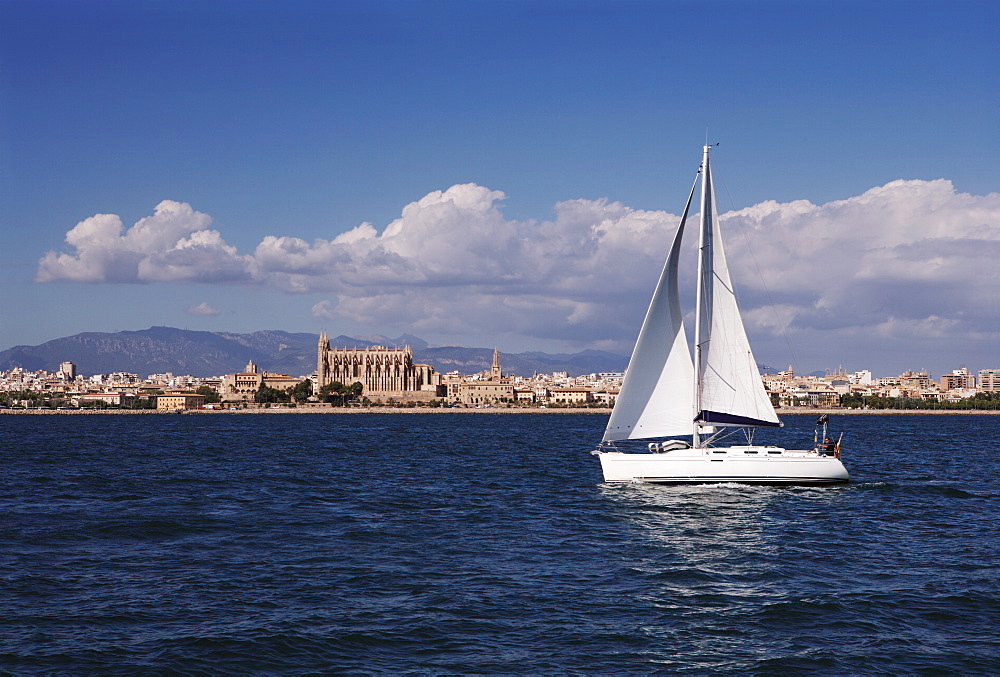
707,538
716,559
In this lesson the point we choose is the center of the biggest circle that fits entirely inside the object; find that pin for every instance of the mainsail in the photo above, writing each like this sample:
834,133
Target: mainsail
730,391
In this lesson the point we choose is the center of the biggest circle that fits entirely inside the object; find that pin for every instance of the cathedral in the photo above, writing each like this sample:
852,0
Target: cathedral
383,372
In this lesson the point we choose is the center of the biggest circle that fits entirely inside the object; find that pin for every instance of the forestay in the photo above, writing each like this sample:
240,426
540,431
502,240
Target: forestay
657,395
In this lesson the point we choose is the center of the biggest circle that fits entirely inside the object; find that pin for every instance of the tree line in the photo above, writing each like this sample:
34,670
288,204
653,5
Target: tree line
335,393
979,401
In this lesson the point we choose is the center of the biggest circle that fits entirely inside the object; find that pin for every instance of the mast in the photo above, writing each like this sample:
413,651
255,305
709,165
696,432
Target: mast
729,389
702,292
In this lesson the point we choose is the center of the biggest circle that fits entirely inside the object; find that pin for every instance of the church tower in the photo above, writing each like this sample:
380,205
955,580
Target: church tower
495,371
321,365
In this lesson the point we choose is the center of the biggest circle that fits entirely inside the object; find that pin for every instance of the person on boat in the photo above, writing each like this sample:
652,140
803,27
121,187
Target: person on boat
829,447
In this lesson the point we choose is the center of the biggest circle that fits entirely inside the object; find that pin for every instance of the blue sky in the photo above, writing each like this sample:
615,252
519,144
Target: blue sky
281,126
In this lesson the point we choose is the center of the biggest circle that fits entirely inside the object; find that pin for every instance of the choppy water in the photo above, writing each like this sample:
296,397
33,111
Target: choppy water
457,543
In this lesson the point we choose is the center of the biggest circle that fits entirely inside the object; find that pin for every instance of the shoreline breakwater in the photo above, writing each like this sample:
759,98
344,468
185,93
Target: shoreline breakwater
466,411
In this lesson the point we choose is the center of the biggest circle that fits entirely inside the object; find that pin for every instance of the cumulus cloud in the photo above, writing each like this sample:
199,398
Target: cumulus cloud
452,262
203,309
909,256
917,252
174,244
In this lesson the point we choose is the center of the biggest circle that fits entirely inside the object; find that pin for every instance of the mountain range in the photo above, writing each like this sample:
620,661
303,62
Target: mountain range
205,353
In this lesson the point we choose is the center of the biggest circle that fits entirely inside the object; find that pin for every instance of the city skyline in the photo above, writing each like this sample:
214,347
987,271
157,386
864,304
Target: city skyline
440,361
502,172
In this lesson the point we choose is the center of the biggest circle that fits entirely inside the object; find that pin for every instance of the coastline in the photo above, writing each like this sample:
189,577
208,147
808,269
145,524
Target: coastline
352,411
488,411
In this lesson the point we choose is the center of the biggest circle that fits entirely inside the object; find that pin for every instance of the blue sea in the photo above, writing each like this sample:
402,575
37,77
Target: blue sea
444,543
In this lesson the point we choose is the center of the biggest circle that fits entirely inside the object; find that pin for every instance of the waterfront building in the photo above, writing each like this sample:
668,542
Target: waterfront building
67,370
959,379
477,393
243,387
915,380
989,380
911,380
957,394
384,373
606,396
118,399
570,396
484,388
179,401
774,382
524,395
863,377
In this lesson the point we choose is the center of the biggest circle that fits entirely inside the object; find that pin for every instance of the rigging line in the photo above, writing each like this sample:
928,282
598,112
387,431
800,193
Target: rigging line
760,275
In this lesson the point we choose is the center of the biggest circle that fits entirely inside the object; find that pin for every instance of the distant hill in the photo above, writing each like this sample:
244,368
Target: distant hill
203,353
472,360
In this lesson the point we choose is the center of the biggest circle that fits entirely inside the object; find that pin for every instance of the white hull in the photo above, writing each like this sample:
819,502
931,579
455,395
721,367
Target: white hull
745,465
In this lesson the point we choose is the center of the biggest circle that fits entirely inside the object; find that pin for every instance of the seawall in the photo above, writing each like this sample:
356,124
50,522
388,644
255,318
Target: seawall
464,411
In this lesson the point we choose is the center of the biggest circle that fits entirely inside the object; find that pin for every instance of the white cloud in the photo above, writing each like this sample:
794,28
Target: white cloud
908,257
914,251
452,263
174,244
203,309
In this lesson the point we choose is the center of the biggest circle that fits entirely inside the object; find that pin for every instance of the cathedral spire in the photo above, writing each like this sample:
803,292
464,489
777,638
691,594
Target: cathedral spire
495,371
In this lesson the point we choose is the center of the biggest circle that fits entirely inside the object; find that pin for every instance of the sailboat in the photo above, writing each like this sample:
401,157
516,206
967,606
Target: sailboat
718,392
